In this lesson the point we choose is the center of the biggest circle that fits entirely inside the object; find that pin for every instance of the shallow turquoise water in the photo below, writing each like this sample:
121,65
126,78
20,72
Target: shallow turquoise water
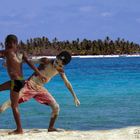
108,89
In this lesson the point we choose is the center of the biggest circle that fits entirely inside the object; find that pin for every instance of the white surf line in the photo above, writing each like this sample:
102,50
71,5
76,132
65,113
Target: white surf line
86,56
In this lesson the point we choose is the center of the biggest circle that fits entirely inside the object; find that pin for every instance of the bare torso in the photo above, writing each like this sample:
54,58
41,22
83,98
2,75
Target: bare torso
46,69
14,65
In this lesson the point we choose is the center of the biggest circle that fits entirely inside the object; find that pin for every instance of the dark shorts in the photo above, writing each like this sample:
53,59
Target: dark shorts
17,85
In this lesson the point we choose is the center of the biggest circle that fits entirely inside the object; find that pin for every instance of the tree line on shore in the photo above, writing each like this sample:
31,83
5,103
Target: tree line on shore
42,46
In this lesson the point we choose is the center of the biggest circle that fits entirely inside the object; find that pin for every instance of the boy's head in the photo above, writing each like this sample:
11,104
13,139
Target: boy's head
62,59
11,41
65,57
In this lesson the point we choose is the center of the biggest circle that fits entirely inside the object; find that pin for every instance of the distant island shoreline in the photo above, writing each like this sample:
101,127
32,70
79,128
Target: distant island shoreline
42,46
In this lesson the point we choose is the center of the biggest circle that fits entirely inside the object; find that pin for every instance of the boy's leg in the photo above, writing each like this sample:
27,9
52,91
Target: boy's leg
5,86
55,112
25,94
51,124
14,96
5,106
44,97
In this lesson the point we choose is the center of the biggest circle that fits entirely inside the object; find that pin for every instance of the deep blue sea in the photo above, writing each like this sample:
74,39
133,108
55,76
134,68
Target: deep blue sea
108,89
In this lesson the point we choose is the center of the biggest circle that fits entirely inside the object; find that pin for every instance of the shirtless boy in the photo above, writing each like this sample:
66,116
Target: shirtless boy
33,87
14,68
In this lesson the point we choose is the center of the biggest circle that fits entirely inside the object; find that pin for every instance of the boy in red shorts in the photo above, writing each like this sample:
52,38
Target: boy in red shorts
33,87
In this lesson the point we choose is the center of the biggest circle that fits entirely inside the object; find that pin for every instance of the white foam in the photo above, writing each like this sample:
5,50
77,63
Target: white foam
94,56
89,56
105,56
78,56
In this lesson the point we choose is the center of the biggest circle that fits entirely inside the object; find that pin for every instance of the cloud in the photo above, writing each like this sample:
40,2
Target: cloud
86,8
29,16
8,23
106,14
13,24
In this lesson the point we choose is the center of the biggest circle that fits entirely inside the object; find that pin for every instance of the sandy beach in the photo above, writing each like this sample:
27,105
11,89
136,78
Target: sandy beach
128,133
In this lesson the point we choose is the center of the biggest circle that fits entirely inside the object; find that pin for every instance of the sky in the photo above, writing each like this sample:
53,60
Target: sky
70,19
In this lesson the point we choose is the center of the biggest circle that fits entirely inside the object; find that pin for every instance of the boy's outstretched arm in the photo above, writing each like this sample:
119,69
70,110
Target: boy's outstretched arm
33,67
35,61
69,86
43,60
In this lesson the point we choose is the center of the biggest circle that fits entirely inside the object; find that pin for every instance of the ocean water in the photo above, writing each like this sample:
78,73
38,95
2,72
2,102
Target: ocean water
108,89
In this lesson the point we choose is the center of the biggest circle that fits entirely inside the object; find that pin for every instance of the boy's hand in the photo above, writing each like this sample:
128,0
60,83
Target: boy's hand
43,78
76,101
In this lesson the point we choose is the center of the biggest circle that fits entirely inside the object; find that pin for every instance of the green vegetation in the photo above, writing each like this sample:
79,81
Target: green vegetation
42,46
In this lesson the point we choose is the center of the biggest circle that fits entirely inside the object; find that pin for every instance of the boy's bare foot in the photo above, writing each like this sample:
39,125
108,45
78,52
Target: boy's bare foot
52,130
55,130
16,132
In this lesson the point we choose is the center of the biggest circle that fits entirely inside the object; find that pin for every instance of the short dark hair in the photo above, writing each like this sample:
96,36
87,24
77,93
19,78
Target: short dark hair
11,38
65,57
